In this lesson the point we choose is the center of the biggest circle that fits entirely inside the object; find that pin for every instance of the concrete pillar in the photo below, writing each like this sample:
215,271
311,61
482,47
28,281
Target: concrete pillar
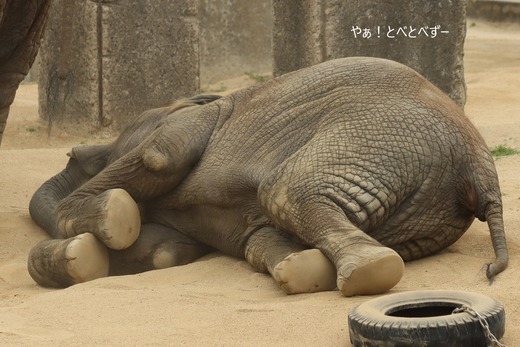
495,10
103,62
306,32
235,37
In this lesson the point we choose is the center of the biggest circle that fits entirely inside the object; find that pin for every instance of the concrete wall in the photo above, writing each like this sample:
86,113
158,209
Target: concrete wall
307,32
101,64
118,58
235,37
118,64
495,10
68,79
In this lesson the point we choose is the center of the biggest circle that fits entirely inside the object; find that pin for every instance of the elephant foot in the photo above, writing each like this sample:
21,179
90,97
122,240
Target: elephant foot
133,261
120,221
120,228
61,263
158,247
170,254
375,272
307,271
112,216
164,257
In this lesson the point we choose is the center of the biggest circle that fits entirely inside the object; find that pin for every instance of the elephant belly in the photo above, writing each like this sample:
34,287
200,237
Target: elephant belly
226,229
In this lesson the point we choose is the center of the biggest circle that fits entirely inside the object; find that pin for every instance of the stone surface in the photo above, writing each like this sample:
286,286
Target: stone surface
235,37
149,53
495,10
307,32
68,80
115,59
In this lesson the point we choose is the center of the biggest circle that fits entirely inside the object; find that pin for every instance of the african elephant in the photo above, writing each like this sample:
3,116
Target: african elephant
331,175
21,27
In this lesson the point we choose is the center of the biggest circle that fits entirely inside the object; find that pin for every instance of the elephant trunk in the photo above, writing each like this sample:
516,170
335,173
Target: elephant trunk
45,200
496,227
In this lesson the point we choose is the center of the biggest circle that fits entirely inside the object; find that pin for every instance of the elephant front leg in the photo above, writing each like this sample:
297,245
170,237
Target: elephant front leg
157,247
112,216
61,263
106,204
295,268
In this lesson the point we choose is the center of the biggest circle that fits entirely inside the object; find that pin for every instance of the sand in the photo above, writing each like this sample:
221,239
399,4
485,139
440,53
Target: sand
218,300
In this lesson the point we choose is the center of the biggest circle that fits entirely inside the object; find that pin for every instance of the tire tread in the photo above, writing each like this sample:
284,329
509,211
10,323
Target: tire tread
369,325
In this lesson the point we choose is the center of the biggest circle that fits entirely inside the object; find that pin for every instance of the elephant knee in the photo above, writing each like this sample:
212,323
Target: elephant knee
155,160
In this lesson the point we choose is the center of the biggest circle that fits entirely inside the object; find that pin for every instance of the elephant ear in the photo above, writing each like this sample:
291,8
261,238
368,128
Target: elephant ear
197,100
91,159
203,99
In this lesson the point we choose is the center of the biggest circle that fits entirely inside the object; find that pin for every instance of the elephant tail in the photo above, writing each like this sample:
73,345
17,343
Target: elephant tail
485,199
495,222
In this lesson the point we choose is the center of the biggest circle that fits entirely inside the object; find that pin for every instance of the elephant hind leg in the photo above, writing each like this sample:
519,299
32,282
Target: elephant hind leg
364,266
64,262
295,268
157,247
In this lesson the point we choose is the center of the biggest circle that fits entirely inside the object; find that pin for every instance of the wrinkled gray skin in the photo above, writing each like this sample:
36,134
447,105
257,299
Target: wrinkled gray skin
21,28
359,158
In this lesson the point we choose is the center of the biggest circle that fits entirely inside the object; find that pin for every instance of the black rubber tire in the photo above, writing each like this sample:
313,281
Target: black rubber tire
423,318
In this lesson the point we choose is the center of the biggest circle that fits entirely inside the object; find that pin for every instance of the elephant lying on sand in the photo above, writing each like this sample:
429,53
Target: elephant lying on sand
359,158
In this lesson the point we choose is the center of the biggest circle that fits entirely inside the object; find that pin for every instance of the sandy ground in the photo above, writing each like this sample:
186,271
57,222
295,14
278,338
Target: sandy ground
220,301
